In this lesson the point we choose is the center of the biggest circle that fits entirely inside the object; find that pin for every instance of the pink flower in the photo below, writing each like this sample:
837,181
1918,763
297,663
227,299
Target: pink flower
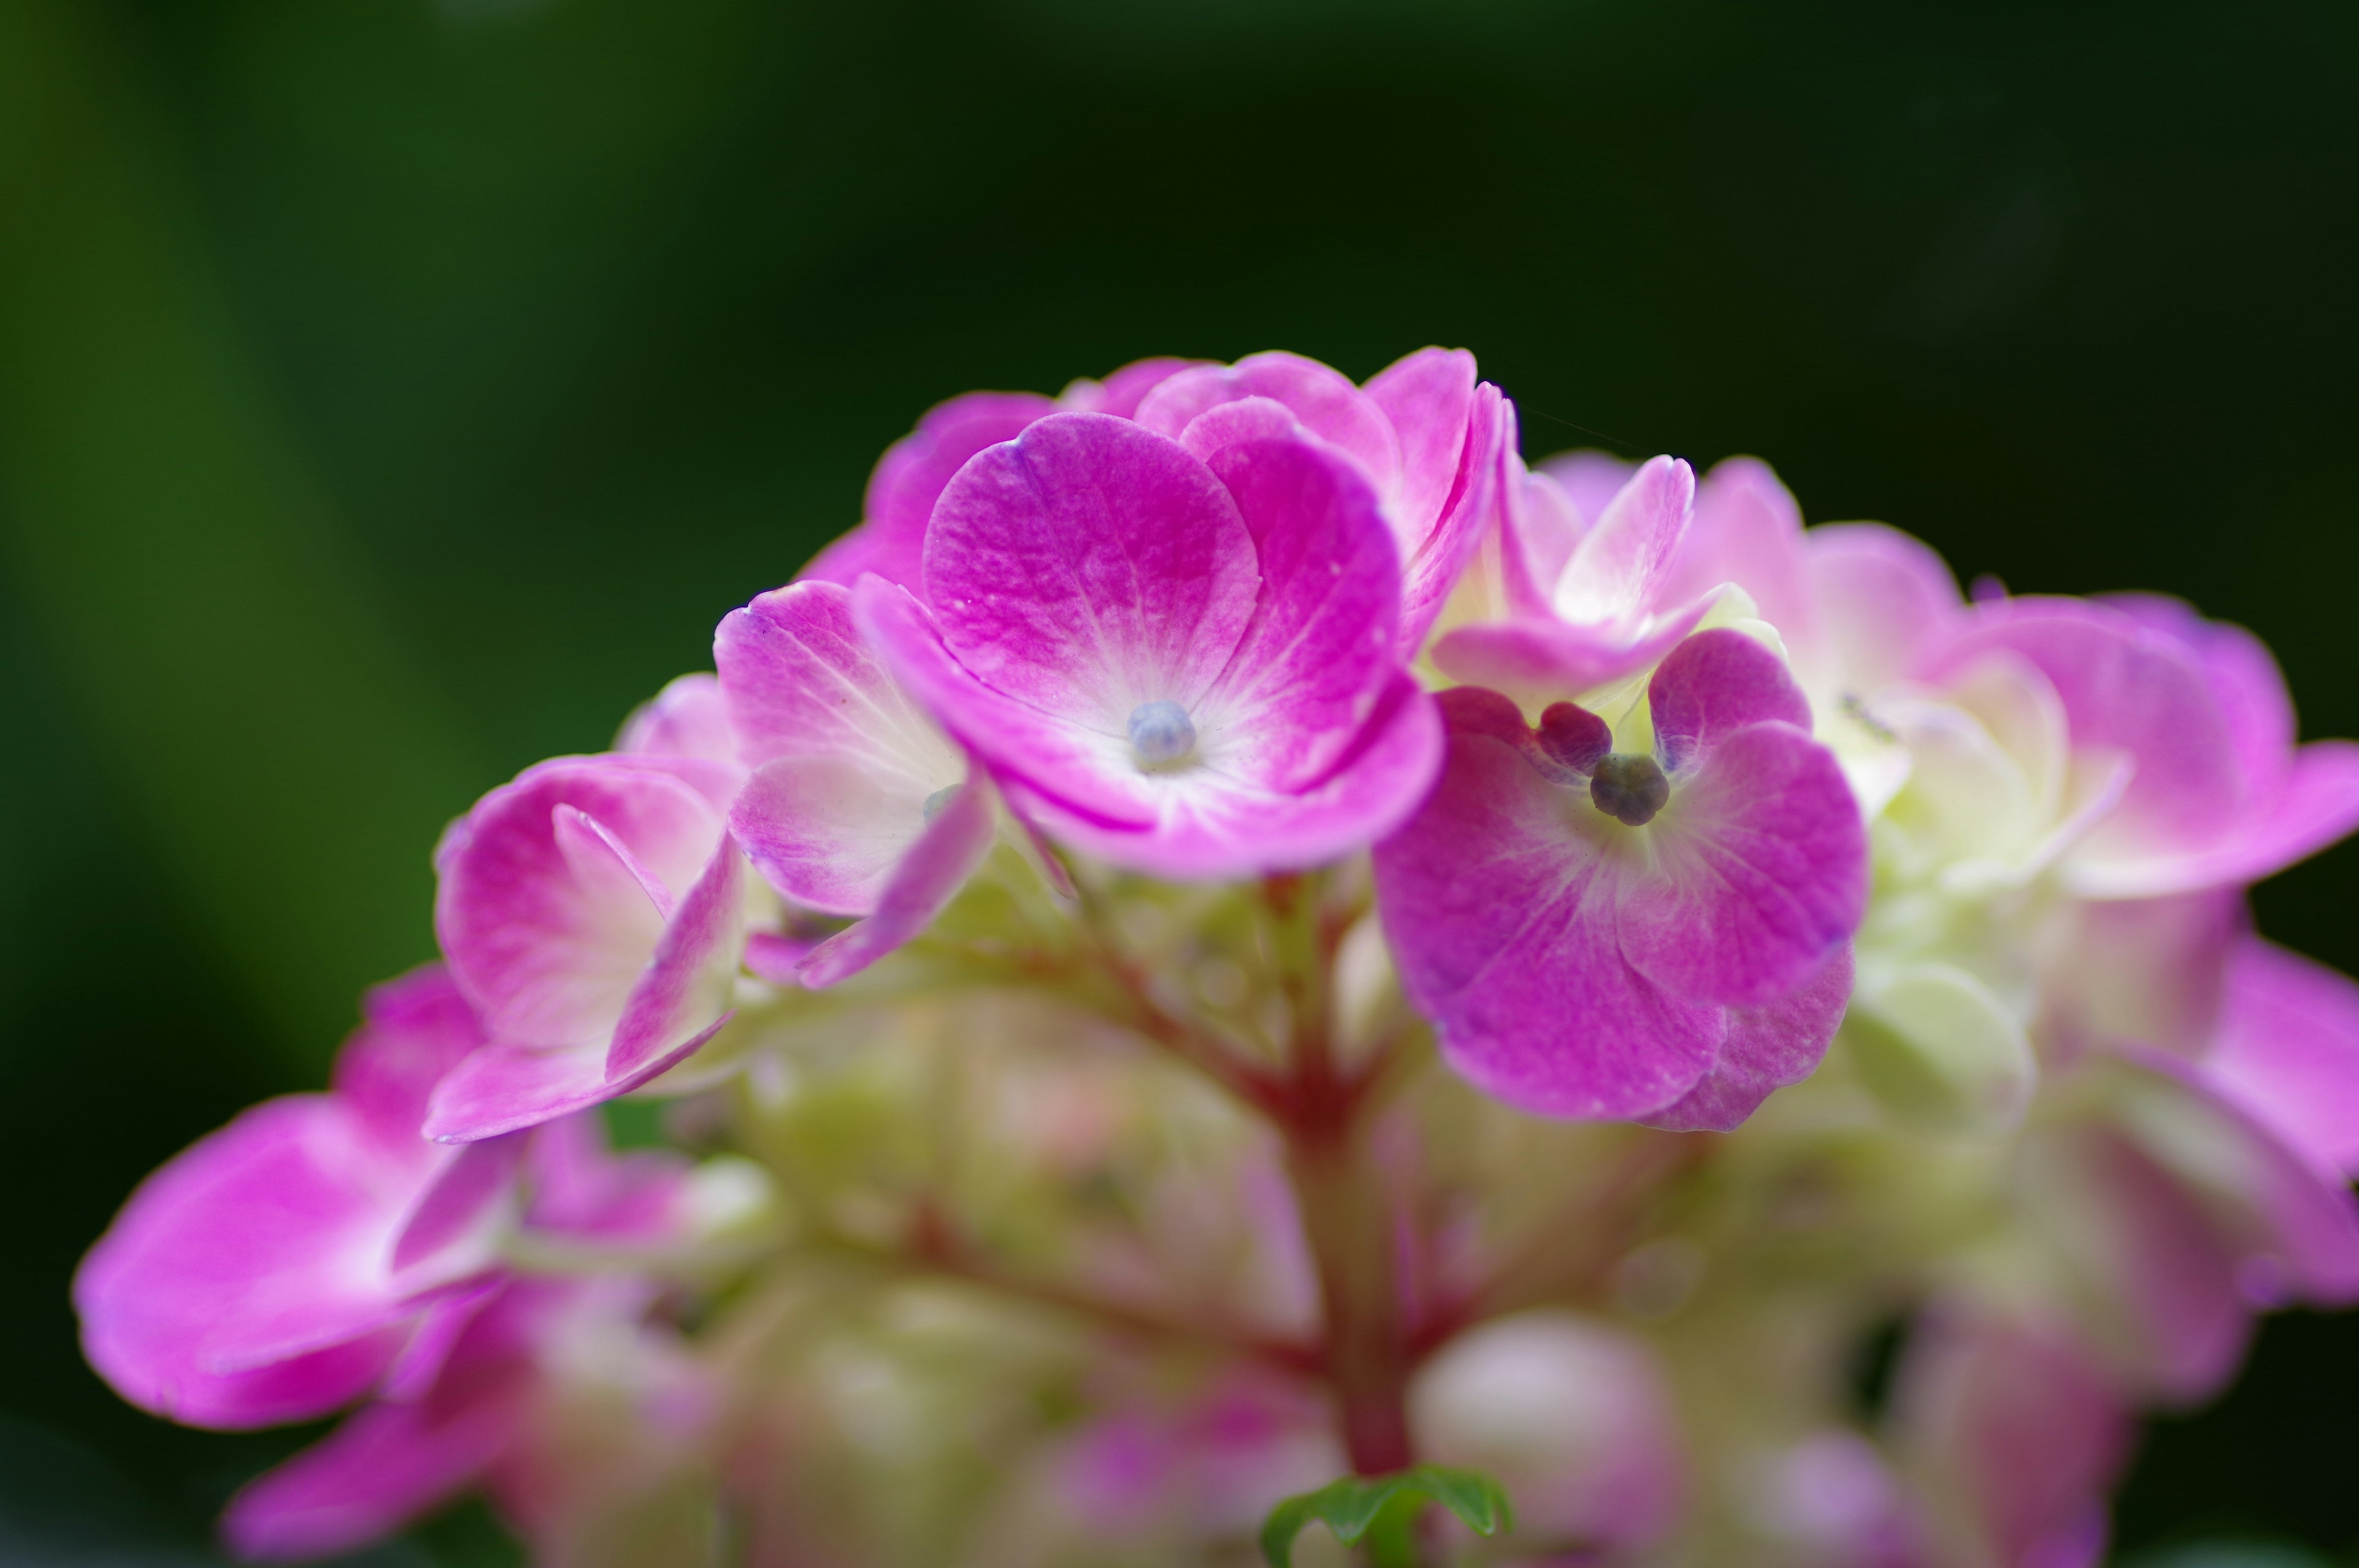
594,912
474,1411
2215,791
1658,934
1422,431
1187,668
2017,1433
313,1249
858,803
1602,612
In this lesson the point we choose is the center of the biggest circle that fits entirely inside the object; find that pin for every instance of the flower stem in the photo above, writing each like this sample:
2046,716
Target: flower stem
1348,1223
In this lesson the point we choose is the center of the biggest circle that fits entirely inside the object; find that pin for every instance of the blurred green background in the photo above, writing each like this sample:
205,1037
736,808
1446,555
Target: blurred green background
393,392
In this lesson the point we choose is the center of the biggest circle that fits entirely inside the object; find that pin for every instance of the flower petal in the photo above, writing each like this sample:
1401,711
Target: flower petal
922,883
418,1028
263,1242
1433,564
1541,659
1618,567
2287,1051
1882,596
909,478
1716,683
1428,397
1323,400
1089,567
548,944
1760,872
1120,392
1768,1047
1493,908
684,994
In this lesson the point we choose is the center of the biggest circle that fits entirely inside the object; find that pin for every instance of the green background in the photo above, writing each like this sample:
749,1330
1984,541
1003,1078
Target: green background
393,392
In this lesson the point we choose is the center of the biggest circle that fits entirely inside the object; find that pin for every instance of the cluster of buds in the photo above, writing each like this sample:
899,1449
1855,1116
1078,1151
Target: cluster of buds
1232,935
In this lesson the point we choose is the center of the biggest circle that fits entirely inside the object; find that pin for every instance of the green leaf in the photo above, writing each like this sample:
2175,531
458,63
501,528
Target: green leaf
1348,1506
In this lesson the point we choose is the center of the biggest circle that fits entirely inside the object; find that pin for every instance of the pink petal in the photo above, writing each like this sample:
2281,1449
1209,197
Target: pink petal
1618,570
2287,1051
925,880
1246,419
1317,652
1221,828
1119,393
686,990
1761,873
1470,514
2128,689
1089,567
2316,804
1589,480
506,1085
690,718
909,478
468,1191
580,1187
1428,397
2244,676
799,681
1541,526
1540,659
1768,1047
1747,530
1323,400
382,1467
549,943
1882,596
1712,686
263,1242
1490,905
825,832
418,1028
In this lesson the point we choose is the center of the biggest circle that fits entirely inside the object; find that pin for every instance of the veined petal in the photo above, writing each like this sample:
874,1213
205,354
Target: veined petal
1505,938
1323,400
1616,568
909,478
921,882
547,945
799,681
1089,567
1432,565
827,832
1715,683
1208,824
1428,397
1759,873
1317,652
262,1243
1768,1046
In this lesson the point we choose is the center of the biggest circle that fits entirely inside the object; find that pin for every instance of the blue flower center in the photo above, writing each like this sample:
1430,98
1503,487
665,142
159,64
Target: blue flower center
1161,734
1629,787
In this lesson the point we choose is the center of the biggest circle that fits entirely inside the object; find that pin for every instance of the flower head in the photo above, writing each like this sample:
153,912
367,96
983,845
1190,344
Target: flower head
1605,929
1184,665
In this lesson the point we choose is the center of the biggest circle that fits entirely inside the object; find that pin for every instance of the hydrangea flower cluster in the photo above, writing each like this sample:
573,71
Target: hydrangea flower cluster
1232,934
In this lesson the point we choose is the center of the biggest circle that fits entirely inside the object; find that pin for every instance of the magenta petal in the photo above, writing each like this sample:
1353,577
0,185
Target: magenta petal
1234,829
1428,397
1324,401
1617,569
1882,597
686,988
690,718
2288,1051
801,681
2244,676
263,1242
1762,871
2316,804
1088,770
1089,567
927,877
1317,652
1492,910
1469,514
548,956
1246,419
1541,658
1119,393
910,477
506,1085
382,1467
1768,1047
1539,526
418,1028
1747,530
1715,683
470,1187
2130,689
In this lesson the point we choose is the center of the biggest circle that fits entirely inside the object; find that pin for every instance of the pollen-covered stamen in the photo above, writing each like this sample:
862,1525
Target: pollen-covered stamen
1161,733
936,801
1629,787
